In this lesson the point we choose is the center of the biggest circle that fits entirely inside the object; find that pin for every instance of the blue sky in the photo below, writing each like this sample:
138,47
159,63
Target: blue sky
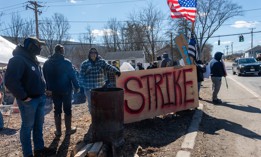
95,13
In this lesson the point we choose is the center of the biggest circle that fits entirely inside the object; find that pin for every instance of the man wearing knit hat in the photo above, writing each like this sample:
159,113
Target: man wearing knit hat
92,73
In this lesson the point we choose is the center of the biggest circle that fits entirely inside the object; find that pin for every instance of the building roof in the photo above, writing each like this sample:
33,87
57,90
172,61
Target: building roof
255,49
123,55
167,49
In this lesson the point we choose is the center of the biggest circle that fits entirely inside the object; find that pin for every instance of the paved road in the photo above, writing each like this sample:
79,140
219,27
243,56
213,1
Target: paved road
252,82
232,128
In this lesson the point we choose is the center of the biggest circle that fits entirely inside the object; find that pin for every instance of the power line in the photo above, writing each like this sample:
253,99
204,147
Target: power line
226,35
14,12
7,9
12,6
99,3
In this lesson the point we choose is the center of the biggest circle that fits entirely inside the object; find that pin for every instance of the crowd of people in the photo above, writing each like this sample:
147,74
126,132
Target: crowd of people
58,78
31,84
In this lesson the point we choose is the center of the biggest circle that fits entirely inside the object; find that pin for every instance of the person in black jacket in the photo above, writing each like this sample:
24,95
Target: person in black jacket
200,70
166,62
23,78
218,71
60,76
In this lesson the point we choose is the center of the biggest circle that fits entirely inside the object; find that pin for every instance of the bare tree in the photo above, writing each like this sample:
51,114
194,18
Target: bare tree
48,34
28,28
86,39
62,27
149,21
15,25
136,36
206,53
211,15
54,30
111,35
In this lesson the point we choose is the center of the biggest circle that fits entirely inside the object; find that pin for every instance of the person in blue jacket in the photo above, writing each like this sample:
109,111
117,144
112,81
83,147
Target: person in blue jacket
23,78
60,81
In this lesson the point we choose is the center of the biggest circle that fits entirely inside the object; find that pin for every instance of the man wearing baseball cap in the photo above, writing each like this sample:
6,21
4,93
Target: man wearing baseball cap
24,80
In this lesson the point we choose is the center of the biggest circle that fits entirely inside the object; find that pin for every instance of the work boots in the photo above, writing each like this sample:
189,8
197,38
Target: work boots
69,129
57,119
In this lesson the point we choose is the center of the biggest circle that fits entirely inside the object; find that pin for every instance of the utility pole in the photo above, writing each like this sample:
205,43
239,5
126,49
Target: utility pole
227,49
34,6
252,37
232,48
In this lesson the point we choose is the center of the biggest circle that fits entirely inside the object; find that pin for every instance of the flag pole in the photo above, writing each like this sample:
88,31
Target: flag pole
193,27
192,32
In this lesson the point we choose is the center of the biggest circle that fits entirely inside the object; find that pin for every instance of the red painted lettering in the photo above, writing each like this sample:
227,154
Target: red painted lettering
127,90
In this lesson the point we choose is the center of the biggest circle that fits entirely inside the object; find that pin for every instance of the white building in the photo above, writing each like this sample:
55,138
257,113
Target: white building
132,57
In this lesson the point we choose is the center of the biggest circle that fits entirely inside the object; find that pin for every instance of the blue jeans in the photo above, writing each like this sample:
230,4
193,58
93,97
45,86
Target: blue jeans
32,115
87,93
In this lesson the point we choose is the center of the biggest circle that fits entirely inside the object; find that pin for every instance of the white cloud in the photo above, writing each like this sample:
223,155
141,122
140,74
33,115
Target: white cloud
245,24
72,40
97,32
73,1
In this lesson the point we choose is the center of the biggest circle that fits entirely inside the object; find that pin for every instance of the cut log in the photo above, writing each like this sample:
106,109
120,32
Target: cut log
93,152
77,148
83,152
104,150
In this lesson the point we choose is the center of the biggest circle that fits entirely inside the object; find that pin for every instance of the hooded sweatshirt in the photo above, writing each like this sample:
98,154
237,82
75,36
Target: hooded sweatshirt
217,66
23,77
92,73
59,75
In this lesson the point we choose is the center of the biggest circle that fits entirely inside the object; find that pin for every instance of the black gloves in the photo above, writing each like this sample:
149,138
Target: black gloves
118,73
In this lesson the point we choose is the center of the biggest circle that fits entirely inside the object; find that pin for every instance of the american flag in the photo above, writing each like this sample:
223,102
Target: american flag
183,8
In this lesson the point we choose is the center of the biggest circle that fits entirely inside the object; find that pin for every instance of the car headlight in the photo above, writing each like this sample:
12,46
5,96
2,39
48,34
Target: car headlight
241,66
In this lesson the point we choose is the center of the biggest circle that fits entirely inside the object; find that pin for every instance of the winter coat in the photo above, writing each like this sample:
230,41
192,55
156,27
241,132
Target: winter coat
200,70
92,73
59,75
217,66
166,62
23,77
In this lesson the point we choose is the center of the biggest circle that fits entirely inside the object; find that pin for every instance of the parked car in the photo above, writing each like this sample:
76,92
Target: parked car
244,66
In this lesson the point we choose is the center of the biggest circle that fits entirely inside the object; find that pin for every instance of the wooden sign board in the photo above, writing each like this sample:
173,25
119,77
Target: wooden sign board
153,92
182,45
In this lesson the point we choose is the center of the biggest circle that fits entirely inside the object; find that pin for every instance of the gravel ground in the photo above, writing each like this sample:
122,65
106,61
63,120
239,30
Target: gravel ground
156,137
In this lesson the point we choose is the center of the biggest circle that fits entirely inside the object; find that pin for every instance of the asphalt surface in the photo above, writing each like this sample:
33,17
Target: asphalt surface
233,127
